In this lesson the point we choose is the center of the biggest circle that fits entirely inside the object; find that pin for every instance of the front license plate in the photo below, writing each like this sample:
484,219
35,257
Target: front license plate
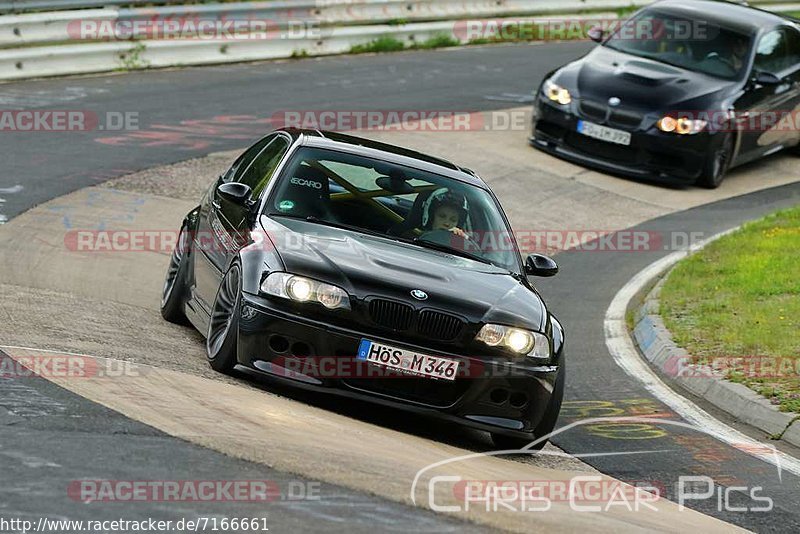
406,361
604,133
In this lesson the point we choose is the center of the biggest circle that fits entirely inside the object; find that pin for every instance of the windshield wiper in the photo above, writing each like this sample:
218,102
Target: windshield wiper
450,250
332,224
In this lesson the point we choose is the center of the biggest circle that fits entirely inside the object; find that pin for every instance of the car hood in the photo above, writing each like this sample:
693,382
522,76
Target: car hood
641,84
368,266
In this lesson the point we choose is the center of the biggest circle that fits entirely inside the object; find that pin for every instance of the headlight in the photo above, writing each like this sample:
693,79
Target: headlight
301,289
682,125
556,93
532,344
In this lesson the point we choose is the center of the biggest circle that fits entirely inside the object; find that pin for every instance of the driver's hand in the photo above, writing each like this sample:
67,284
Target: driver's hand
459,232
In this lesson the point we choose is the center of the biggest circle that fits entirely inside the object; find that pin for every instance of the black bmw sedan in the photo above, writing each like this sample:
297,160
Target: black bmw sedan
682,91
357,268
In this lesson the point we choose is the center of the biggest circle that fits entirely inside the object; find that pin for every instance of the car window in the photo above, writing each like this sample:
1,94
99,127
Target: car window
393,200
241,164
793,39
673,40
260,171
777,51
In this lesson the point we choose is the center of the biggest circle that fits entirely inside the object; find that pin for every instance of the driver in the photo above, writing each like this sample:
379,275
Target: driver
447,211
739,55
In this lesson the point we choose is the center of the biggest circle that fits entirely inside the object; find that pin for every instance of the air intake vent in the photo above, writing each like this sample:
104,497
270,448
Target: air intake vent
391,314
439,325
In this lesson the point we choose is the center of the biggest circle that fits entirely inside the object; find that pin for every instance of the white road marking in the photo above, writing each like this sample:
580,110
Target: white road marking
25,99
512,97
621,347
34,349
11,190
28,460
8,191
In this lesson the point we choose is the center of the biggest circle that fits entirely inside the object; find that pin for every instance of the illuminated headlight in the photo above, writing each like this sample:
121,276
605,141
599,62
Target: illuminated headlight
682,125
532,344
556,93
303,289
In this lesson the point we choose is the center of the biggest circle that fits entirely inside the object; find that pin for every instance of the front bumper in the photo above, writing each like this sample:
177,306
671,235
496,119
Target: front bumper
652,154
496,396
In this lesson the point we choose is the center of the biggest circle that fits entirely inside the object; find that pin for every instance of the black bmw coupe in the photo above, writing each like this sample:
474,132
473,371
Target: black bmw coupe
361,269
682,91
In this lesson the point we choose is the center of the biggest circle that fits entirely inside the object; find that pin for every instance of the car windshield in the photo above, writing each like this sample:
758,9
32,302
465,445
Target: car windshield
359,193
696,45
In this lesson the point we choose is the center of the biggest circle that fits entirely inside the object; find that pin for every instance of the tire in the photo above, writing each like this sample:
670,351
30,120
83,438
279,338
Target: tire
172,295
546,425
717,164
223,326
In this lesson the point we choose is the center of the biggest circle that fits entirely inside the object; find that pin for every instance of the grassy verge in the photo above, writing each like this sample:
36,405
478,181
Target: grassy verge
740,298
391,44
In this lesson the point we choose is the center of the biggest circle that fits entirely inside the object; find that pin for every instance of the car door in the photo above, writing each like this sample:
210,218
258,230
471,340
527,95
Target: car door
221,223
766,111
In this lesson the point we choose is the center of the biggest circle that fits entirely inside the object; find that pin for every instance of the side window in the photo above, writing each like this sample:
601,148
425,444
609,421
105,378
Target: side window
793,37
777,51
240,165
258,175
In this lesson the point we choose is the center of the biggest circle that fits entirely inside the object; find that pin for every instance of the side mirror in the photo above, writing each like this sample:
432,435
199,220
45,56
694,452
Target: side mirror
766,78
540,265
596,34
237,193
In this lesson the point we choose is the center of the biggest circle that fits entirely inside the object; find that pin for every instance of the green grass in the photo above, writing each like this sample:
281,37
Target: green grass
390,44
437,41
740,297
625,12
381,44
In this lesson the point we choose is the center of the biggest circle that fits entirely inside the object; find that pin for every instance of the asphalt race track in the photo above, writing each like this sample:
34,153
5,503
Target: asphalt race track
190,113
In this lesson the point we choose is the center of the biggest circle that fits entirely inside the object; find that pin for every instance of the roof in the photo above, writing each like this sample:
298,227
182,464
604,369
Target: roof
746,19
385,152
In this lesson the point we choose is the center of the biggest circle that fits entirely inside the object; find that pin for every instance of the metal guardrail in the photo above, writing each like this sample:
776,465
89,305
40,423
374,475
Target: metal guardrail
27,6
411,6
103,57
62,26
341,24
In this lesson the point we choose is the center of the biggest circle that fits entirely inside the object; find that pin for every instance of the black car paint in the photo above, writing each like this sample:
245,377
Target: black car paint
653,90
368,267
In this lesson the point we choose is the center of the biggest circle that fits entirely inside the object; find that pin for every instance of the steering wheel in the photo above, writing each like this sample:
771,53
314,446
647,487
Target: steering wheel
446,237
715,55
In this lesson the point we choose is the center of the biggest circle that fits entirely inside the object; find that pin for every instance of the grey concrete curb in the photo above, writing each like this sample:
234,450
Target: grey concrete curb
673,365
